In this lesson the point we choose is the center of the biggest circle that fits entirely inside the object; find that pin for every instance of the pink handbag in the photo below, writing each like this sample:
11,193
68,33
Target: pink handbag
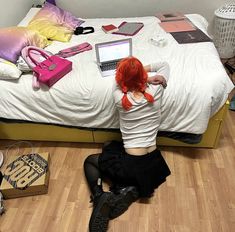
51,69
38,57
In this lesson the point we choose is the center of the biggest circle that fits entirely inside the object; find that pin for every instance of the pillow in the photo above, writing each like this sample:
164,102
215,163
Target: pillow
55,23
51,31
51,2
8,70
14,39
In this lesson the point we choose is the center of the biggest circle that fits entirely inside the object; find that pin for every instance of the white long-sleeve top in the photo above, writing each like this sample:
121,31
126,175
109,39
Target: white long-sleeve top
139,125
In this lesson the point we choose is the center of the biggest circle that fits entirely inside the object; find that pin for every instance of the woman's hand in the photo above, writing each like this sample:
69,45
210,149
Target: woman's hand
157,80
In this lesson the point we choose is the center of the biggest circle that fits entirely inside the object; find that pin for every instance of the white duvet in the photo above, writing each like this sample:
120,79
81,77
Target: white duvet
198,85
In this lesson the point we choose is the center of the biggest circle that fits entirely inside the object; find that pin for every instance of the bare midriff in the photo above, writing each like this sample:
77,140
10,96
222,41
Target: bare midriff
140,150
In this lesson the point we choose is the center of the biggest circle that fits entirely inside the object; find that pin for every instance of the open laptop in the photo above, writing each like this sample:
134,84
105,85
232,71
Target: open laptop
108,54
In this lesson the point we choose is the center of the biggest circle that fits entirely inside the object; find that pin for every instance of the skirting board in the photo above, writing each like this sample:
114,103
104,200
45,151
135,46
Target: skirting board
42,132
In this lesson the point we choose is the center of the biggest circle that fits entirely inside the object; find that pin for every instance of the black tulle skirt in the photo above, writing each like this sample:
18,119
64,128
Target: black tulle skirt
146,172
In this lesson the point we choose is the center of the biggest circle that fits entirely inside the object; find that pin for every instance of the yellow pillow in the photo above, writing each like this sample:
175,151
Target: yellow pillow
51,30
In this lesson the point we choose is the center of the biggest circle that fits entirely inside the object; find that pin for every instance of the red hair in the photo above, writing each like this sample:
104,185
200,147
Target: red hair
131,76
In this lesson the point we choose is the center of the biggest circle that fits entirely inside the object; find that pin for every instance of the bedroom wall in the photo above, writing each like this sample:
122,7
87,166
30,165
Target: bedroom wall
13,11
125,8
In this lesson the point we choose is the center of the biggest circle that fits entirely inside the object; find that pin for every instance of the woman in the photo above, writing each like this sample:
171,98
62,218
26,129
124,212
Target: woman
134,166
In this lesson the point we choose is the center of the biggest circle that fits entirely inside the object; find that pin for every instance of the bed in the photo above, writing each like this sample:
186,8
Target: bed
79,107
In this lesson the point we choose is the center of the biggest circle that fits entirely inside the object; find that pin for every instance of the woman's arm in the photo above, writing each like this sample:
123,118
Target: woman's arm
162,70
157,80
147,68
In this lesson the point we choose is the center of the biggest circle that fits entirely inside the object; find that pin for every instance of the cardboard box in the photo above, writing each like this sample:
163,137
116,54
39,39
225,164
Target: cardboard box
26,175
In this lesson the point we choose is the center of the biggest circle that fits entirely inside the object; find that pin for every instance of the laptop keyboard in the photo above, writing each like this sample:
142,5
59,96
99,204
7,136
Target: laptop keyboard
109,66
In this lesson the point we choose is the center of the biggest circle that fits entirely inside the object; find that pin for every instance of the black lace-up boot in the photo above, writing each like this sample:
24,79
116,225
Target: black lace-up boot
125,196
99,220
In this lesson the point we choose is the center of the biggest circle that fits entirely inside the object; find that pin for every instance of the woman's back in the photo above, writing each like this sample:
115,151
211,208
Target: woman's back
139,125
139,103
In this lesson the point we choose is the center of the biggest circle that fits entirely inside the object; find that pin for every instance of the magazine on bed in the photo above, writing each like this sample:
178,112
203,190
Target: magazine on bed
129,28
195,36
178,25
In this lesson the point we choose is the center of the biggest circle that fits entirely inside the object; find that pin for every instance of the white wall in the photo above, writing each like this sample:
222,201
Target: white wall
13,11
125,8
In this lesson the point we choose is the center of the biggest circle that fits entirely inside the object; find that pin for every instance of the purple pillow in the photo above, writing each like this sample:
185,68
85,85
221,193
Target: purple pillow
14,39
51,1
57,16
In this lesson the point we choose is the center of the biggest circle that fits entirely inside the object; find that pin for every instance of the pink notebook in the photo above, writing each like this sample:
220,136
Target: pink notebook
176,26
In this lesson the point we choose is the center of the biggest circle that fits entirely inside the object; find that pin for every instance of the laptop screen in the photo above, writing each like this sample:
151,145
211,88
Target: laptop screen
114,50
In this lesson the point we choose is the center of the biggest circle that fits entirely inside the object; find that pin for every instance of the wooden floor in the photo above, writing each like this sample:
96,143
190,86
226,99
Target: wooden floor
198,196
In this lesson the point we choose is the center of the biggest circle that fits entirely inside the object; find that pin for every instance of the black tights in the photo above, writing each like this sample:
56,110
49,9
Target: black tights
93,174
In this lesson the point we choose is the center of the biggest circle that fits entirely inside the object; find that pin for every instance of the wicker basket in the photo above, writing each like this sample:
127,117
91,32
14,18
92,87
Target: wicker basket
224,30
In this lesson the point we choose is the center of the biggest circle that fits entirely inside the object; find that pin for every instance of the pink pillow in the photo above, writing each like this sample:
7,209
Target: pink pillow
14,39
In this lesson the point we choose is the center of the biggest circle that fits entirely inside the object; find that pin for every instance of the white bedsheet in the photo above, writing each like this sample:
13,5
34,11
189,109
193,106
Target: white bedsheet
197,88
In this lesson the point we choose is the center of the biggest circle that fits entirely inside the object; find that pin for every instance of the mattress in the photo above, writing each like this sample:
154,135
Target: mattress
198,85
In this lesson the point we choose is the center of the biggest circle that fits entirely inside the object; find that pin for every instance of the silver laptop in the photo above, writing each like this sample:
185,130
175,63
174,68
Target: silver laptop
108,54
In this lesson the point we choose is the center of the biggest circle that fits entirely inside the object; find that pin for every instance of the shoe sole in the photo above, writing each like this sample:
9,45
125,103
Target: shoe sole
100,216
123,203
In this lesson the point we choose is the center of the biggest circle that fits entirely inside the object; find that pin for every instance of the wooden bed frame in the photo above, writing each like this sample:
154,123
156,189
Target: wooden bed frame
42,132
